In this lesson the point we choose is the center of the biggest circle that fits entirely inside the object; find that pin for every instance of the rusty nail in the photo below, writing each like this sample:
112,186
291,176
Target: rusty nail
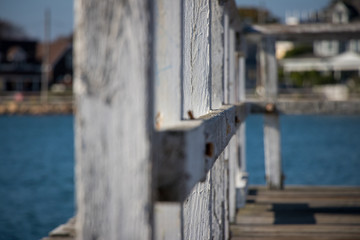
191,115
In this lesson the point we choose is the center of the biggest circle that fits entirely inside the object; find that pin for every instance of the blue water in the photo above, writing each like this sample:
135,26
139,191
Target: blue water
36,175
316,150
37,164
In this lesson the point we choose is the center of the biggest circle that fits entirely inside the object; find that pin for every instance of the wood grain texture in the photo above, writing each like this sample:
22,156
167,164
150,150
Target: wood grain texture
217,54
197,215
113,84
196,88
168,62
205,214
188,151
233,172
300,212
232,82
218,198
226,94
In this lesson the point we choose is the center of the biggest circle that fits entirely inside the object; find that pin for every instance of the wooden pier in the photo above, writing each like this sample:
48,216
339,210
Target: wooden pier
306,213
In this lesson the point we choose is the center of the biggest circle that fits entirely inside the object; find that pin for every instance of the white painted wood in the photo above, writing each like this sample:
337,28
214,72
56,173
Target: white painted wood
113,85
217,54
197,222
168,217
226,95
241,181
180,158
232,85
226,192
268,68
196,88
205,214
218,198
268,74
189,150
241,72
168,67
182,50
242,177
273,166
233,172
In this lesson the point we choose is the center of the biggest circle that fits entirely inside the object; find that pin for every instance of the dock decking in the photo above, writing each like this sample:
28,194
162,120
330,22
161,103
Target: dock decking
306,213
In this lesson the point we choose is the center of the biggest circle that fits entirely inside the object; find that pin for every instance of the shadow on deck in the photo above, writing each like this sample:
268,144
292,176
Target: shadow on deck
299,213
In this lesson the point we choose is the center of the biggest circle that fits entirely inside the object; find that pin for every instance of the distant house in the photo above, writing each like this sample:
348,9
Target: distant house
339,12
21,64
340,58
20,70
60,60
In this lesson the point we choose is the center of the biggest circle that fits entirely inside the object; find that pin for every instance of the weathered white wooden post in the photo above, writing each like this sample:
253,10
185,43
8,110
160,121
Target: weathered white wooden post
242,178
234,94
113,88
268,77
153,137
168,44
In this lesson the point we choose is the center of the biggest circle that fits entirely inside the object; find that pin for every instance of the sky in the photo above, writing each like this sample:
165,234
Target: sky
280,7
29,14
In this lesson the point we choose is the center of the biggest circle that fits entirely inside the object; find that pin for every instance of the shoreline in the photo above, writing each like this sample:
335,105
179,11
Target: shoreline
28,108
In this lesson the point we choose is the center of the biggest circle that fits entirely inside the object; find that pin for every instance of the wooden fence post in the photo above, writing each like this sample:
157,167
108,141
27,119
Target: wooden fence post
242,178
268,74
168,44
151,81
113,130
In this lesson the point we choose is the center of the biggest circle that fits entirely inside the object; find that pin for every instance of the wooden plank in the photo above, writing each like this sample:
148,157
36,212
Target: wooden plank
300,212
268,91
283,106
168,221
296,238
296,230
196,80
218,197
242,178
189,150
232,90
226,78
233,173
268,69
217,54
168,65
268,218
113,88
272,145
241,181
197,215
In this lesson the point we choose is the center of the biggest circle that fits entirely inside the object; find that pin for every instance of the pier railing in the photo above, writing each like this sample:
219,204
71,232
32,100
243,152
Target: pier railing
160,116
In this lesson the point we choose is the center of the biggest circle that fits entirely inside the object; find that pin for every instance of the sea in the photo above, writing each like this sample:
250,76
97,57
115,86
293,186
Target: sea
37,164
